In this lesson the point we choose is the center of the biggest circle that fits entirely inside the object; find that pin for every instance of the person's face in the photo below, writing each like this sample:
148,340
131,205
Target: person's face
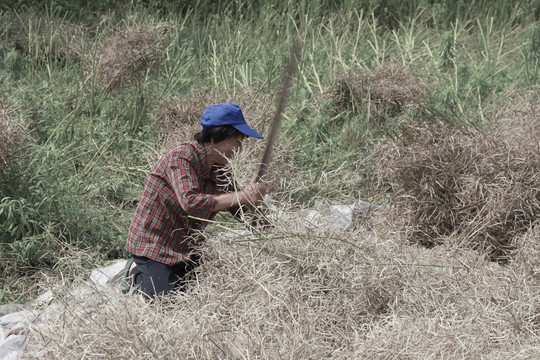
226,149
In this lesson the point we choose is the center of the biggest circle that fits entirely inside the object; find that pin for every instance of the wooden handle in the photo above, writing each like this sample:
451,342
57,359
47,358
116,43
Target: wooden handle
271,137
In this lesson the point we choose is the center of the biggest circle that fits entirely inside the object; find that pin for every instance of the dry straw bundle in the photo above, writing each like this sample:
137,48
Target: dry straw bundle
478,186
178,117
305,292
381,93
128,53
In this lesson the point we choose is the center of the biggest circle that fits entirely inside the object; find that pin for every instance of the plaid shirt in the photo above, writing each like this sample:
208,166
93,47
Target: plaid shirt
180,187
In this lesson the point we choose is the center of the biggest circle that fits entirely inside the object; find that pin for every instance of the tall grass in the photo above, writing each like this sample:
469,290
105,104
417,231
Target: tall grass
78,182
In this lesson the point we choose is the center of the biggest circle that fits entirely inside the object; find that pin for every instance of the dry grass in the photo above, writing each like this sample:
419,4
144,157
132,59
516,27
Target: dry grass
380,93
479,186
13,130
307,293
127,54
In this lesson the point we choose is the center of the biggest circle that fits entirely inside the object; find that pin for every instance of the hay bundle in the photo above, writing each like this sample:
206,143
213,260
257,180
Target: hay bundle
178,117
380,93
481,185
127,54
308,293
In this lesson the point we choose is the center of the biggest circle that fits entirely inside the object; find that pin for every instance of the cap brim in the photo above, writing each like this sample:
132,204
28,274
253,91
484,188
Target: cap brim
247,130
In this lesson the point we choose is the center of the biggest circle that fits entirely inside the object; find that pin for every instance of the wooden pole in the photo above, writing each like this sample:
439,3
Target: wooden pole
276,121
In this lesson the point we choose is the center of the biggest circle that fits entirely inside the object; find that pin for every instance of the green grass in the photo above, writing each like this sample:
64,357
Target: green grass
77,182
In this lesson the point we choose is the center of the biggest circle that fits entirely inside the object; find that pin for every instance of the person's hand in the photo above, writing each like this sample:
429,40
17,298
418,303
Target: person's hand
254,193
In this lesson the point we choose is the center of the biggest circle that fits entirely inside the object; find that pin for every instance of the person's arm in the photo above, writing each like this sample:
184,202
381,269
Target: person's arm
249,197
251,215
195,203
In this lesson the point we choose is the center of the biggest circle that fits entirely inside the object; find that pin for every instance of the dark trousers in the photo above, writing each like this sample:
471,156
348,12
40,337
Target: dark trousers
154,278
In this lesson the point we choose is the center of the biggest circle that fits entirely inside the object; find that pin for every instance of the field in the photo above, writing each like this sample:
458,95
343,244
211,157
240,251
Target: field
427,108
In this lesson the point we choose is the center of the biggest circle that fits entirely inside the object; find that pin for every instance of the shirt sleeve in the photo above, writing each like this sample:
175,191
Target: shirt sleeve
185,179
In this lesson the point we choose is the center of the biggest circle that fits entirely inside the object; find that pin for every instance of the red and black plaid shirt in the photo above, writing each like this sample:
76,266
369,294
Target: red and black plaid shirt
180,188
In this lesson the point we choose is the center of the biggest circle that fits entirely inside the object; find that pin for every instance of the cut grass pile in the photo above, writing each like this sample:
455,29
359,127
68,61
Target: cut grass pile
478,187
379,94
305,292
126,55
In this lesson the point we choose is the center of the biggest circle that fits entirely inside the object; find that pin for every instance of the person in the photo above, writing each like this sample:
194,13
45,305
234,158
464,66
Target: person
182,193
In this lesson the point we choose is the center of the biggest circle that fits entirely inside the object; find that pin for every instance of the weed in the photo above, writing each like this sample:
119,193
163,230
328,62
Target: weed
13,130
447,50
532,51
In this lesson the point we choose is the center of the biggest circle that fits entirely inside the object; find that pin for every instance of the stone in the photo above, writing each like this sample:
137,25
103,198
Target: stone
15,318
12,336
109,274
12,347
11,308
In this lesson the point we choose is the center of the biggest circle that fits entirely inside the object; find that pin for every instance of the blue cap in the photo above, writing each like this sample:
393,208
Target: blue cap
227,114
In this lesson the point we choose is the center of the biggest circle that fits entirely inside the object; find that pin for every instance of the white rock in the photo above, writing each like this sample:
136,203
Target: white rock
12,347
104,276
12,335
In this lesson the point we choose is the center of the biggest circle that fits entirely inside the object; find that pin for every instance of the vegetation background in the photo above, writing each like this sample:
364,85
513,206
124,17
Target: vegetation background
428,107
